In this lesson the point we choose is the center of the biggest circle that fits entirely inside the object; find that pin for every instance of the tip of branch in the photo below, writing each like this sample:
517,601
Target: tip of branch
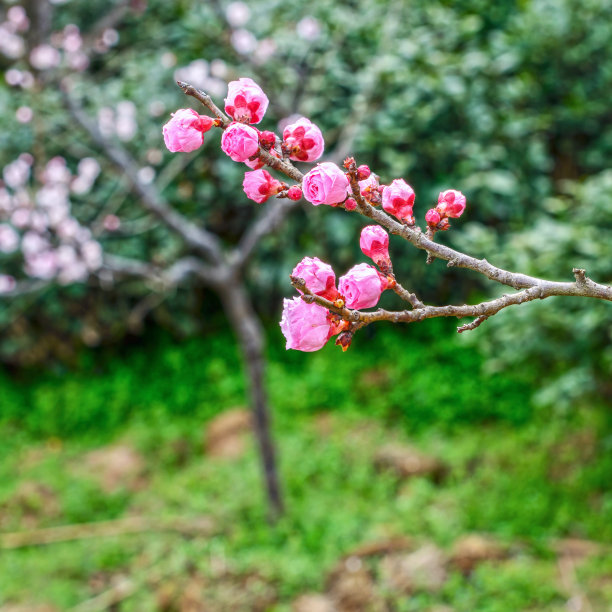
580,276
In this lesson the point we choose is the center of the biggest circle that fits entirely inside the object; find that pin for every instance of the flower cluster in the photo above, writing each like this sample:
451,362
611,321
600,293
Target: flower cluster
38,224
308,326
306,323
451,204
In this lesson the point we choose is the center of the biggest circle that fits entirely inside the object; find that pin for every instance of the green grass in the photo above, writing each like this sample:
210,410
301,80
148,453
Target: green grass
525,478
417,378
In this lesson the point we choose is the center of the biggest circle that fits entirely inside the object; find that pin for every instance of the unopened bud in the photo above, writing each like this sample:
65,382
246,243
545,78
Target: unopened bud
433,217
363,172
344,340
350,204
294,193
267,138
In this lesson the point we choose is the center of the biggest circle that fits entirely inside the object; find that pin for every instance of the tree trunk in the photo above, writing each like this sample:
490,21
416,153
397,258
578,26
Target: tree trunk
248,329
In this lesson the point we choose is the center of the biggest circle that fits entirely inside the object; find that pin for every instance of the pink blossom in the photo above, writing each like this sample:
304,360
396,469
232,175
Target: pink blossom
304,140
350,204
7,283
245,102
361,286
240,142
451,203
398,199
185,131
325,184
318,276
374,243
9,238
432,217
259,185
305,326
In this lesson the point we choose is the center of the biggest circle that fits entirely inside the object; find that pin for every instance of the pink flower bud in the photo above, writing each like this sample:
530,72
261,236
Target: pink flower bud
374,243
363,172
267,138
350,204
361,286
245,102
325,184
451,203
304,140
294,193
305,326
432,217
398,199
240,141
318,276
259,185
185,131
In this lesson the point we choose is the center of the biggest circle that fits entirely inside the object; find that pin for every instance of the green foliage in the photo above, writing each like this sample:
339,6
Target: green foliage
422,376
567,341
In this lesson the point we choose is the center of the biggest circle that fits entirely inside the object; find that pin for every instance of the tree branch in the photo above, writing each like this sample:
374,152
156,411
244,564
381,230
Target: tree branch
482,311
585,287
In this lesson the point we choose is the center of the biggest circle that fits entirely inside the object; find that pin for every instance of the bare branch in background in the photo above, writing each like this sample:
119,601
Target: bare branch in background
194,236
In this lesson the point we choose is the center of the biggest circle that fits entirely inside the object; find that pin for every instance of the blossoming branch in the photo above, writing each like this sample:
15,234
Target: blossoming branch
322,309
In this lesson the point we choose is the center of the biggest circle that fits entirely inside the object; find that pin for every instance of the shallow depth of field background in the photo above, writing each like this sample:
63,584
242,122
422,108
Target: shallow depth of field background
421,470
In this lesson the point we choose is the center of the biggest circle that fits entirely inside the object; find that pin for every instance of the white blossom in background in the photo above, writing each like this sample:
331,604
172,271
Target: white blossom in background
18,18
9,238
110,37
237,14
11,44
106,121
7,283
156,108
13,77
72,40
168,59
45,57
37,221
24,114
266,48
146,175
125,124
195,73
243,41
218,69
308,28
